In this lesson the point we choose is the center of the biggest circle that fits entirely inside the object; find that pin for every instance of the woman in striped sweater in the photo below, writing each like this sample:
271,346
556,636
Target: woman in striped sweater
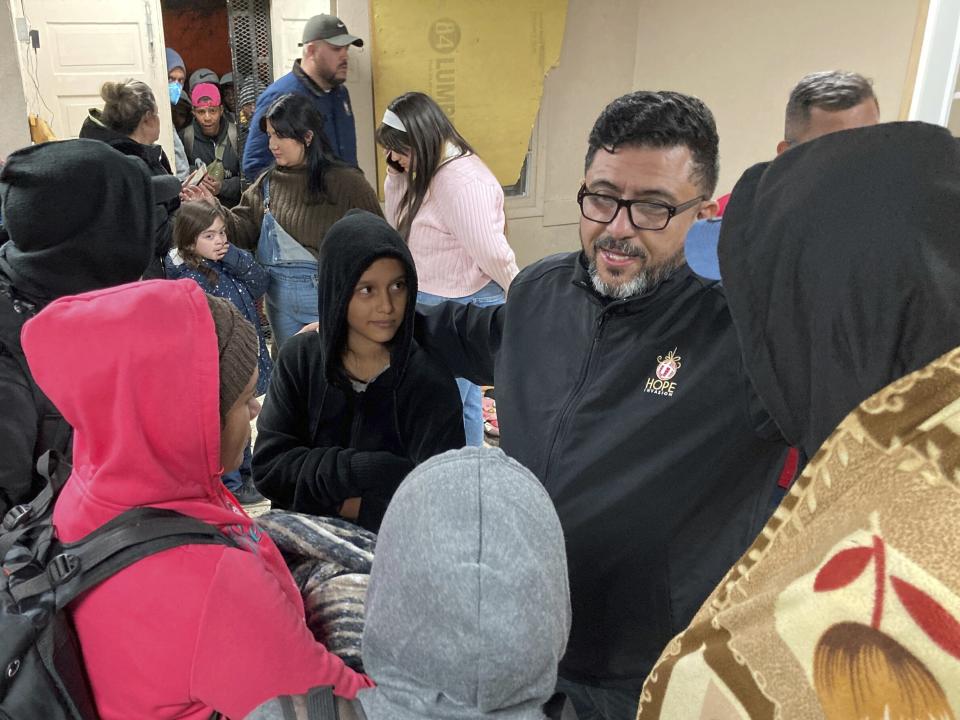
448,207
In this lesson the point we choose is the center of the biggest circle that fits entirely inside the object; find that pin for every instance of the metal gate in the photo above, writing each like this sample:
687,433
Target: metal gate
249,25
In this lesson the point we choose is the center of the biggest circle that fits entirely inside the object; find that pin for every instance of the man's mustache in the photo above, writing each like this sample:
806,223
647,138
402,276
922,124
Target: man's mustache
622,247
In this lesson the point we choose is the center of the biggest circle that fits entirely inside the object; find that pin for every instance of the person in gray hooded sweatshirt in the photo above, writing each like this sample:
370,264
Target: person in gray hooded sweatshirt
468,608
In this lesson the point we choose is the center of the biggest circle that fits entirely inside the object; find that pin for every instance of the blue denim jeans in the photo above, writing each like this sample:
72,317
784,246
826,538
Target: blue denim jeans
489,294
596,703
292,293
291,300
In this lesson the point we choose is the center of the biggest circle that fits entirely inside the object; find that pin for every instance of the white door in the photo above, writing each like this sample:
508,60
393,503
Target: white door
84,43
287,18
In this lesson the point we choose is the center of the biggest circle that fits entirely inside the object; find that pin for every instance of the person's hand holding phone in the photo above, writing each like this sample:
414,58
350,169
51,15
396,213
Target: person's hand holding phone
211,185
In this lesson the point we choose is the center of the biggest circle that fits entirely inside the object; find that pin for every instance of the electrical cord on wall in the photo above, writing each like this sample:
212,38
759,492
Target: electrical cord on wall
32,67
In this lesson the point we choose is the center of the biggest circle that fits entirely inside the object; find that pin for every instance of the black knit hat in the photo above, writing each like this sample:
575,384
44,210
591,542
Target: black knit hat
237,347
79,215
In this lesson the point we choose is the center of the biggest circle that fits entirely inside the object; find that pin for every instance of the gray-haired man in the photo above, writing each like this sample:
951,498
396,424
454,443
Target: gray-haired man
827,102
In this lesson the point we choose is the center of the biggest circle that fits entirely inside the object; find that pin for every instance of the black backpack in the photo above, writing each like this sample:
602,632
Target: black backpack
41,665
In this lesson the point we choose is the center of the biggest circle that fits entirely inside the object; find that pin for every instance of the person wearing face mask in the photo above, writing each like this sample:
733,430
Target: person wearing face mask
287,211
130,123
176,75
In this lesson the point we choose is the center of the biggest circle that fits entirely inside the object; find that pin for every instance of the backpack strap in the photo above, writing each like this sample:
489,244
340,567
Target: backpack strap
321,705
317,703
232,136
188,139
129,537
219,149
21,519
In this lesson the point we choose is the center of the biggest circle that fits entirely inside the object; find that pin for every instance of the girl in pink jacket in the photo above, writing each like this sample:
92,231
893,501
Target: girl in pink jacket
157,380
448,207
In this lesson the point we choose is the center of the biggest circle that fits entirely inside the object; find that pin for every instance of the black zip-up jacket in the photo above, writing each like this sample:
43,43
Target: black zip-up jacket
638,418
319,439
29,423
158,164
319,444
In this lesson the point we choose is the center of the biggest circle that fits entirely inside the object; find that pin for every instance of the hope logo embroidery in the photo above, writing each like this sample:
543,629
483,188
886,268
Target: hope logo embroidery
667,368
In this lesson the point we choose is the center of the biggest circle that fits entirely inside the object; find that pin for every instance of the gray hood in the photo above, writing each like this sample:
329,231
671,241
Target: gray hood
468,609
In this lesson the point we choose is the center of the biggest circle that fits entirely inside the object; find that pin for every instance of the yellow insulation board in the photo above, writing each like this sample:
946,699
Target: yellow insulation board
483,61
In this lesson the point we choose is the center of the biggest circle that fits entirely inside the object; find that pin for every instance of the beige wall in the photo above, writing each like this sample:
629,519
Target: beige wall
742,59
14,131
596,65
356,14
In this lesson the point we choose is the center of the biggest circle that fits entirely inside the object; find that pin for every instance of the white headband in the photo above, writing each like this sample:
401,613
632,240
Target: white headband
390,118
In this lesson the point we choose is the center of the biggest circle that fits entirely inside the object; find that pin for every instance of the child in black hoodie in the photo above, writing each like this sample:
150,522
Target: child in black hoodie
353,408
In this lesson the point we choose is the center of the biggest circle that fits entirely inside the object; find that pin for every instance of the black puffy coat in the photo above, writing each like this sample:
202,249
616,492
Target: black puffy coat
158,164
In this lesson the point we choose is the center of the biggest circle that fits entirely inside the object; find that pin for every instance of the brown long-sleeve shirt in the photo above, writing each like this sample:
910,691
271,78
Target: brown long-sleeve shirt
305,216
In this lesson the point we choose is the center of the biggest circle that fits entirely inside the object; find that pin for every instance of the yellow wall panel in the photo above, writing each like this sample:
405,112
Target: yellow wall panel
483,61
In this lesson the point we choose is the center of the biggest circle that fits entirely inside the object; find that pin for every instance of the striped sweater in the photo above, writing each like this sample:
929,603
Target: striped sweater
457,237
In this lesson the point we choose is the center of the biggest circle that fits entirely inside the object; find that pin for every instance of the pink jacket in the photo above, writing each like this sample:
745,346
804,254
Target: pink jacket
457,238
193,629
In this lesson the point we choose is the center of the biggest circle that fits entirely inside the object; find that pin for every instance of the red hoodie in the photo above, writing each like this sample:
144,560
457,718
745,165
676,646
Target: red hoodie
193,629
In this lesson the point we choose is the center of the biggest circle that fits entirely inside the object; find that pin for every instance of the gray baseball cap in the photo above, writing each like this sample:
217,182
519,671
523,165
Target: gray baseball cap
203,75
330,29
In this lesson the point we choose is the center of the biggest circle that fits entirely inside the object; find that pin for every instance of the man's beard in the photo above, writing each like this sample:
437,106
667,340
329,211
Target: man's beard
332,79
647,279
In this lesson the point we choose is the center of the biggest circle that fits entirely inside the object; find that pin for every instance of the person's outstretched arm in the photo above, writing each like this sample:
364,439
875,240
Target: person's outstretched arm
253,643
464,338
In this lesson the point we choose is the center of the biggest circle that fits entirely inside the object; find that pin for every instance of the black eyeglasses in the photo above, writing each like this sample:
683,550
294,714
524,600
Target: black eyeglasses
644,215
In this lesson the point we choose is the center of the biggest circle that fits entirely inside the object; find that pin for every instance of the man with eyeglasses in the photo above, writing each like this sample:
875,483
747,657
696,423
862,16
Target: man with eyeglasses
620,384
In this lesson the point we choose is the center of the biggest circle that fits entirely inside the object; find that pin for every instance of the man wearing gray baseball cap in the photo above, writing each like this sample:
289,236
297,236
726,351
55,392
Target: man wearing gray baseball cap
319,75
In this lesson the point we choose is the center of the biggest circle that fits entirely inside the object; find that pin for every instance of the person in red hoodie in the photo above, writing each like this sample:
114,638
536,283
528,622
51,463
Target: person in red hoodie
157,380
